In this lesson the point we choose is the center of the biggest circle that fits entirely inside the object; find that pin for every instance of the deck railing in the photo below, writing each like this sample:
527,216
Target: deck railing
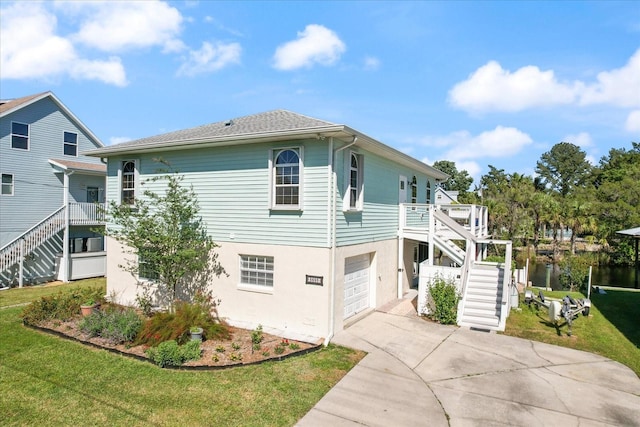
416,217
86,213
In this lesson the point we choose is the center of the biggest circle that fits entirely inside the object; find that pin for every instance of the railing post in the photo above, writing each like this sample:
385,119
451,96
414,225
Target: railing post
21,267
472,225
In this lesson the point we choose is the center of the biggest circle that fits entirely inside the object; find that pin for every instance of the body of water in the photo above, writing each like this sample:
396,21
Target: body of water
621,277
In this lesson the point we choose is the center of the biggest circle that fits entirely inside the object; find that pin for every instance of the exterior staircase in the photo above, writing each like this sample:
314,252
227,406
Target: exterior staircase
449,248
482,303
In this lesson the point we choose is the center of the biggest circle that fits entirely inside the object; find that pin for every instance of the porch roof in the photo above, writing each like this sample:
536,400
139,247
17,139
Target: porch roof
81,167
633,232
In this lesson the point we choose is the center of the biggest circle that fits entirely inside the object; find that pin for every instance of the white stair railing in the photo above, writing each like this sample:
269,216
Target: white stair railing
14,252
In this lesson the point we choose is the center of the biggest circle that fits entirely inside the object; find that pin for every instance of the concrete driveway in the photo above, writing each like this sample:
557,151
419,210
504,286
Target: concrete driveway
418,373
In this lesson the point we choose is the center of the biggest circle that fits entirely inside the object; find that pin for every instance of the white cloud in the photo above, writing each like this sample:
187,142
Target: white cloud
619,87
371,63
582,140
499,142
30,49
492,88
633,121
118,140
209,58
121,26
315,45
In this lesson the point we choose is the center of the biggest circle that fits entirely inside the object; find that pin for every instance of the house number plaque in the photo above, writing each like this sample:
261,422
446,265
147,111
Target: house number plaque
313,280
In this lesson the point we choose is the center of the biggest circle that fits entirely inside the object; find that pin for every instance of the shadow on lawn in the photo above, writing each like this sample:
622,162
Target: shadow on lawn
621,308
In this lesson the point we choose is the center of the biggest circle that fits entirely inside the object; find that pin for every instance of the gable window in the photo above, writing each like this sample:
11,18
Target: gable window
287,183
19,136
354,197
128,182
256,270
70,144
7,184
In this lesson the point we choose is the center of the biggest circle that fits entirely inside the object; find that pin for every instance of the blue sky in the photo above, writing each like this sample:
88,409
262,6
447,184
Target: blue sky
477,83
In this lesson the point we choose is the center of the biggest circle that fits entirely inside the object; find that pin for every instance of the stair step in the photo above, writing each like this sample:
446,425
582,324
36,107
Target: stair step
484,298
481,311
474,321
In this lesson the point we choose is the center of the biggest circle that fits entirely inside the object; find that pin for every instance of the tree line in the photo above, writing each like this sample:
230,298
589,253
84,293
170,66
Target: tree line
567,193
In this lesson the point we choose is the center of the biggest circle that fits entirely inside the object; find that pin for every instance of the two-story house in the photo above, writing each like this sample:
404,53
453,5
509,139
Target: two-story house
316,221
50,193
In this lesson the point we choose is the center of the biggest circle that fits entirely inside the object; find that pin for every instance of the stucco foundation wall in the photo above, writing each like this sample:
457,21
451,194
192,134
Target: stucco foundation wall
291,308
383,275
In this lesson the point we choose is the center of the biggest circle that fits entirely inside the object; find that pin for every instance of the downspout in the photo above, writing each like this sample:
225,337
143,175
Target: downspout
334,205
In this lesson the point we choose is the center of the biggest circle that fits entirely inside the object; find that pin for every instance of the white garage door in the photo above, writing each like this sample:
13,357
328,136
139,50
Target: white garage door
356,284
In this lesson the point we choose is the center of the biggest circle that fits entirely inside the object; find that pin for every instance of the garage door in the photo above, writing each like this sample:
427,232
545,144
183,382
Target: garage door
356,284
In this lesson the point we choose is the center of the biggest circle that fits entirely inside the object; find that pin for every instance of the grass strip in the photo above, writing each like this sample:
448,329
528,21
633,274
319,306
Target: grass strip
46,380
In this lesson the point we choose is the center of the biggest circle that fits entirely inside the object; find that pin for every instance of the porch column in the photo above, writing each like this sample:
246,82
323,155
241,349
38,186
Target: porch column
65,239
431,232
400,265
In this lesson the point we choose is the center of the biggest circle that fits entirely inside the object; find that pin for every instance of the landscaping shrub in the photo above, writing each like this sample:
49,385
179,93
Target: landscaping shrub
114,324
175,325
169,353
443,301
61,306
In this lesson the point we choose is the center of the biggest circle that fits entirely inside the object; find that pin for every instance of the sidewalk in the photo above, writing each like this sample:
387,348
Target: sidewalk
418,373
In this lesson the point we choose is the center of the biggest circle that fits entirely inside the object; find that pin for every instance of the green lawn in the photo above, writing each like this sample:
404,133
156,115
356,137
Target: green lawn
45,380
610,330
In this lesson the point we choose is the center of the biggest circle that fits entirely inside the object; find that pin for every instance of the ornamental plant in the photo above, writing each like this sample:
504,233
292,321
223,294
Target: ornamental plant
443,301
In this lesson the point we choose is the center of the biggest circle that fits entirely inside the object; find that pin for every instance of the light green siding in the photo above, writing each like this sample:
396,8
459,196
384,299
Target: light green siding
378,219
232,184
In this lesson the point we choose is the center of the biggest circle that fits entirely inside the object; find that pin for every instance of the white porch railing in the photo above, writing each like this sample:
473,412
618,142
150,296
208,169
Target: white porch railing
416,218
86,213
15,251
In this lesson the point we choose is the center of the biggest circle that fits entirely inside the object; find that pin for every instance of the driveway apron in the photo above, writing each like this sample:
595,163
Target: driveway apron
418,373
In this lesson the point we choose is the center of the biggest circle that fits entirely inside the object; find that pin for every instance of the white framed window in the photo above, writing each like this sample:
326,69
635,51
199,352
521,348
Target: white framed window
256,270
286,170
70,141
414,190
428,192
128,180
7,184
146,269
354,182
19,136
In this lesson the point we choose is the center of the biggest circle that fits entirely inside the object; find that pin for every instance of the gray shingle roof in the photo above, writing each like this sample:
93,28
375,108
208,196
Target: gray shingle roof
256,124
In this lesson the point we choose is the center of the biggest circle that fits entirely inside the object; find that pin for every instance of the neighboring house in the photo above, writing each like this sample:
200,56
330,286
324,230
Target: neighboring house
444,197
316,221
50,193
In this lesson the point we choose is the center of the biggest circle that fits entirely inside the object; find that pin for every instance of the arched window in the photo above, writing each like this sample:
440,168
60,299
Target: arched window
428,192
128,183
414,190
354,184
287,178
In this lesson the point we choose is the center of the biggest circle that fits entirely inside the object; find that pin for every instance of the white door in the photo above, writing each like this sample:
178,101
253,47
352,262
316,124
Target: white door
402,188
356,284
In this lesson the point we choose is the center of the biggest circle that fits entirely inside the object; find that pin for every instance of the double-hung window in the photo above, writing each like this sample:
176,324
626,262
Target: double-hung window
286,170
428,192
19,136
128,179
7,184
256,270
70,144
354,180
414,190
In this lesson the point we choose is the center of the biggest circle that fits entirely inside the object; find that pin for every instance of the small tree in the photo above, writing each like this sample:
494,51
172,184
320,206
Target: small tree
574,272
442,300
167,237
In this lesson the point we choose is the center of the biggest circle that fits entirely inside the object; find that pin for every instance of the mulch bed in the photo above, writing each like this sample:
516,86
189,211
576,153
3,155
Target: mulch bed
216,354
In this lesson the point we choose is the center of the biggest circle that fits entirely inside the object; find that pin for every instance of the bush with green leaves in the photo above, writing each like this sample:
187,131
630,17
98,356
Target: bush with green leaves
114,324
61,306
169,353
574,272
443,301
175,325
